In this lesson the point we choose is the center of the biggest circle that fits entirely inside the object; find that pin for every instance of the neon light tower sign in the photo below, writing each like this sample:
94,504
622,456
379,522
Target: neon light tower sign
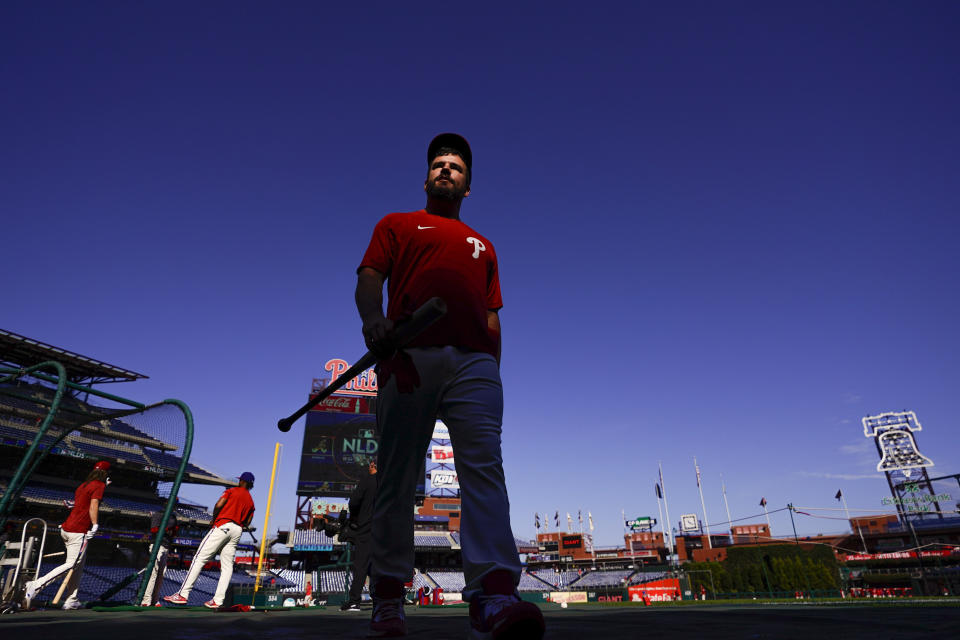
900,460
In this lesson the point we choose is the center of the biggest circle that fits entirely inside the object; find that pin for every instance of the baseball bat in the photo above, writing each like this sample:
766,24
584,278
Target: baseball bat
431,311
63,586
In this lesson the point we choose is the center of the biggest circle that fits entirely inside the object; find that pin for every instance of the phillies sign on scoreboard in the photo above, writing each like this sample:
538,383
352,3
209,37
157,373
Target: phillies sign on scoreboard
444,479
364,384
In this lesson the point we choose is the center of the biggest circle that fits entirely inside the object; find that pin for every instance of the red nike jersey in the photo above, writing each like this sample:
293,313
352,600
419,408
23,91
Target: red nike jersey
238,507
79,519
424,255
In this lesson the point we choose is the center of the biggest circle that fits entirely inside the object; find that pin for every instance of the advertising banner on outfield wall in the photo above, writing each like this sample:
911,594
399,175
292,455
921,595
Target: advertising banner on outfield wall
444,479
657,590
568,596
441,453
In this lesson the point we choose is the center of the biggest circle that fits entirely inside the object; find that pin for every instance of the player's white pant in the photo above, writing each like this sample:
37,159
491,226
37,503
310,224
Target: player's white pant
222,540
152,594
76,545
464,390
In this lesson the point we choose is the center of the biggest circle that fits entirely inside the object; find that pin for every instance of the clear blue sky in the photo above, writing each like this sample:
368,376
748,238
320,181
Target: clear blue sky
725,230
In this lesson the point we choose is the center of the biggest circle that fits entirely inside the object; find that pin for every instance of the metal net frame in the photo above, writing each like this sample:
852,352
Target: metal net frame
57,415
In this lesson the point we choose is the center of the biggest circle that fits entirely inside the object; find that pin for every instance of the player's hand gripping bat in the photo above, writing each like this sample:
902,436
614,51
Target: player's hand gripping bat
431,311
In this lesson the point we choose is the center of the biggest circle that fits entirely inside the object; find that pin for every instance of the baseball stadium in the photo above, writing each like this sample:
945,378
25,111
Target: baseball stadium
890,575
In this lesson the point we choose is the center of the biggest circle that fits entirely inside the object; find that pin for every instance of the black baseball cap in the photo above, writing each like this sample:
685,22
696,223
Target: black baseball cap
453,141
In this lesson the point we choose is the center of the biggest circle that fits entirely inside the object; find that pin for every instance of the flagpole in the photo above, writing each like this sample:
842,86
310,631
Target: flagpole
706,520
667,527
766,513
593,545
843,499
726,504
659,510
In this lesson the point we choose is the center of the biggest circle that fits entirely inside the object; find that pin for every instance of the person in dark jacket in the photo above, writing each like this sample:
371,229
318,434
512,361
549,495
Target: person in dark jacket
151,596
361,517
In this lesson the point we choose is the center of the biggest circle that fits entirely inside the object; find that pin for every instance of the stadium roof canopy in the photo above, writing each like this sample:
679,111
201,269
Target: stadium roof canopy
20,351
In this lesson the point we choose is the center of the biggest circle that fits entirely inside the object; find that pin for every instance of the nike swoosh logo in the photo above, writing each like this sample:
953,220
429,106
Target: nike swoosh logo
419,227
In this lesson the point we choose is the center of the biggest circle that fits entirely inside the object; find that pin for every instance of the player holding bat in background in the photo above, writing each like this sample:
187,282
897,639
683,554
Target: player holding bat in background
450,371
77,530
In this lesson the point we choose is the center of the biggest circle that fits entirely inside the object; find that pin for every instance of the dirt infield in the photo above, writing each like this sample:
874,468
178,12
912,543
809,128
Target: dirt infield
578,622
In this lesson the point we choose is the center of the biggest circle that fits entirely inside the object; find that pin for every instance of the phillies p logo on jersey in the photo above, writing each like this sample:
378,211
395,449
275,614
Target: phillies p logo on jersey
477,246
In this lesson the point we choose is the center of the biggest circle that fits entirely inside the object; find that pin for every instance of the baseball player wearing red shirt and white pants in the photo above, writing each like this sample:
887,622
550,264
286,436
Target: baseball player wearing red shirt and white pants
231,515
451,371
77,530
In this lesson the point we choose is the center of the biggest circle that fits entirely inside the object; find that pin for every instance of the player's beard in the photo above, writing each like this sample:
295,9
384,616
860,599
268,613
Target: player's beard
445,191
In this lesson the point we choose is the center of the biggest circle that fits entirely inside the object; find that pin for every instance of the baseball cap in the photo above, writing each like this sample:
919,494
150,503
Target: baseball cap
454,141
246,476
103,464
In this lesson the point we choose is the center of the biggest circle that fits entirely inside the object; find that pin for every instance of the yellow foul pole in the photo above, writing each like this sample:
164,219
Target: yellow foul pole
266,517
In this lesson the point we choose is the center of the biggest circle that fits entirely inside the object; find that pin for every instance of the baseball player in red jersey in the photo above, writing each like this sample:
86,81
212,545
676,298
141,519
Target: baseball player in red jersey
451,371
231,515
77,530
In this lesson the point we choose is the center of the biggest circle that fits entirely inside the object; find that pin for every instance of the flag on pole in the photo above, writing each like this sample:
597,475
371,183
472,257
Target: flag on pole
536,521
839,494
698,471
556,519
580,516
569,522
763,502
590,519
659,492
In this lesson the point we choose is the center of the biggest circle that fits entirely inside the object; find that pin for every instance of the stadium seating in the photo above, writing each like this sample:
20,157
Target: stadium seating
530,582
525,546
642,577
438,540
172,462
58,495
557,580
190,512
420,580
330,581
448,580
295,577
602,579
311,537
97,580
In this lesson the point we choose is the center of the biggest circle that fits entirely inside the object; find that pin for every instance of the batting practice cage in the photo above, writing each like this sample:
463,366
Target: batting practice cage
54,427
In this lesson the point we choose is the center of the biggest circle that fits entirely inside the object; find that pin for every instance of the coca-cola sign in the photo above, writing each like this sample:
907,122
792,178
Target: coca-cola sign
341,404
